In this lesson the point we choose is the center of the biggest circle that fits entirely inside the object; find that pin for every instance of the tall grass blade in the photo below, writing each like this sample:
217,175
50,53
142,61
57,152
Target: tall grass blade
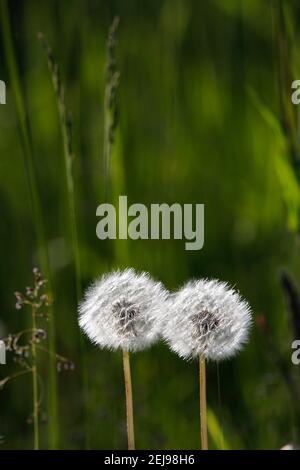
66,131
25,136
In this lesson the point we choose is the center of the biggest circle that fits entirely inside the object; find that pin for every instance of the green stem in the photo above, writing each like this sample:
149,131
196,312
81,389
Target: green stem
35,387
66,131
17,374
110,104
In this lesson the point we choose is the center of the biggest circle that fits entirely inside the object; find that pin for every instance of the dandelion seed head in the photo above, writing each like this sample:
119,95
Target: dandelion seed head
206,318
120,308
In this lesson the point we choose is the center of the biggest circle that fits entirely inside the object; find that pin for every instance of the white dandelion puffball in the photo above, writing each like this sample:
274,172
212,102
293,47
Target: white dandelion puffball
206,318
119,310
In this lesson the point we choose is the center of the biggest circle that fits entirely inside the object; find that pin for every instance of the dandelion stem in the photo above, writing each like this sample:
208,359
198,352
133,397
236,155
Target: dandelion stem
129,403
203,419
35,387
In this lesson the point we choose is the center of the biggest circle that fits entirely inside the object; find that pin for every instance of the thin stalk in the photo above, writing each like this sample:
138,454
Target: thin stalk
18,374
114,183
35,387
129,402
114,175
25,136
66,131
110,103
203,414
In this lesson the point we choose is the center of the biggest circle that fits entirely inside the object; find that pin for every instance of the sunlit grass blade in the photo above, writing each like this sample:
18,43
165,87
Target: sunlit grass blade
215,431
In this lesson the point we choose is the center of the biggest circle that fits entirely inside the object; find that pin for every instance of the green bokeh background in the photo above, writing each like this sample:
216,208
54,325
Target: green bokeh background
199,122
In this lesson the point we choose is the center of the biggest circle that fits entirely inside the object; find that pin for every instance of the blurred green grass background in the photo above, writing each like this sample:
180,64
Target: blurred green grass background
198,91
